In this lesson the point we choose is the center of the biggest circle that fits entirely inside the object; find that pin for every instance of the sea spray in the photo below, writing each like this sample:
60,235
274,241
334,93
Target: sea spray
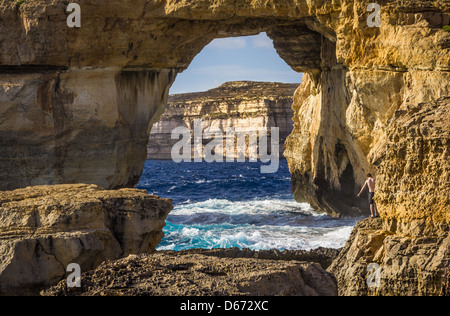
219,205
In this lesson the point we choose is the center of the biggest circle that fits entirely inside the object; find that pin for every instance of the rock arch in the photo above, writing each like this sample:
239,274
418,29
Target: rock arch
84,99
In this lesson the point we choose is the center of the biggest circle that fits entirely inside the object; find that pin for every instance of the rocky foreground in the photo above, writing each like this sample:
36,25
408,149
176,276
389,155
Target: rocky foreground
112,235
45,228
202,273
394,264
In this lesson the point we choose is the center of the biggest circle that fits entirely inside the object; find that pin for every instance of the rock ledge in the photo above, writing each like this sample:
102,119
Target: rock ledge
169,273
45,228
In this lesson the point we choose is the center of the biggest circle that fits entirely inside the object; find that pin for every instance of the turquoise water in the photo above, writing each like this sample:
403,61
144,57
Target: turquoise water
221,205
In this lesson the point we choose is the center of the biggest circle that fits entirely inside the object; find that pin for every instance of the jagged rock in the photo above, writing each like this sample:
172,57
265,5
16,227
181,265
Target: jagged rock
45,228
415,170
407,266
77,126
175,273
411,244
244,106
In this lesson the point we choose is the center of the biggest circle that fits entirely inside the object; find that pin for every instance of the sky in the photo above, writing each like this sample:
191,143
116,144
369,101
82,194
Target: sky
231,59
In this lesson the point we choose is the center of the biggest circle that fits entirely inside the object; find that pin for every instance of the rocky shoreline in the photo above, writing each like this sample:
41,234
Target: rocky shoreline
112,235
43,229
394,264
199,272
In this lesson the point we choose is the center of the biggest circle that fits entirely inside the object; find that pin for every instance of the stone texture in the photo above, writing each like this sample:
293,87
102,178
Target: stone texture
411,242
408,266
415,170
85,126
359,82
340,129
356,77
321,255
244,106
181,274
45,228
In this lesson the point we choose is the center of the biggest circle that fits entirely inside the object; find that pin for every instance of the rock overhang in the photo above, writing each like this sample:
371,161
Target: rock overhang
150,34
117,69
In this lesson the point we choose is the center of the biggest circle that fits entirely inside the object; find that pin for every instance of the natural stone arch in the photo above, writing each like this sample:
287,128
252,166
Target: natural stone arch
85,99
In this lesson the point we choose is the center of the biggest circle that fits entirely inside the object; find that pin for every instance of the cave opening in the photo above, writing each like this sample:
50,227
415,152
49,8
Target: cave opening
345,171
128,76
229,59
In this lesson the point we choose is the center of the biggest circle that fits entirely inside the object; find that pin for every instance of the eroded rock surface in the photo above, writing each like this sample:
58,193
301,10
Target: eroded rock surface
376,261
174,273
45,228
85,99
411,243
77,126
77,105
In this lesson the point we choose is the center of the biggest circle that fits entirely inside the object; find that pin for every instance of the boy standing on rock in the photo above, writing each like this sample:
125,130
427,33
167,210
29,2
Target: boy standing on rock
370,183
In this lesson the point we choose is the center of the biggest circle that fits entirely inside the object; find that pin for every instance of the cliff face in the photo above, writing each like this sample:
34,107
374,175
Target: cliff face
411,245
242,106
415,172
58,89
76,126
342,114
43,229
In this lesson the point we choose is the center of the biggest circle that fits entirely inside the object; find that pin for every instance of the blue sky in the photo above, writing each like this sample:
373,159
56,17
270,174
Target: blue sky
238,58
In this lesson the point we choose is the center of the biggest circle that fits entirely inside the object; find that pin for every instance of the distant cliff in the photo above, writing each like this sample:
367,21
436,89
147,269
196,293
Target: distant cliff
241,105
77,106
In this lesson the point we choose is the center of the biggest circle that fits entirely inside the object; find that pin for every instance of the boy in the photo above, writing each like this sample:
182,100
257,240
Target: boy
370,183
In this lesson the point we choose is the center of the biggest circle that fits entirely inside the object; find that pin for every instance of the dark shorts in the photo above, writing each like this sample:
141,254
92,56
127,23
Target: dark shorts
371,195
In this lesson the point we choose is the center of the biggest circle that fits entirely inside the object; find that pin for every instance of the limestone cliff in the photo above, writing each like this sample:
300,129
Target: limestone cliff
243,106
76,126
45,228
77,105
85,99
411,245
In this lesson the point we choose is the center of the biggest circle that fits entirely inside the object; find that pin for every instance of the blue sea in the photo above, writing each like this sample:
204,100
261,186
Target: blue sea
222,205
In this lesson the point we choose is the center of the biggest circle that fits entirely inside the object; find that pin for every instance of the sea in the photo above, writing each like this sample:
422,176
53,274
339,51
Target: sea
224,205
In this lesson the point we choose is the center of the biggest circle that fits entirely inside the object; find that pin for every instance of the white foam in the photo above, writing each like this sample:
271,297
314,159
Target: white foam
261,237
190,232
244,207
255,224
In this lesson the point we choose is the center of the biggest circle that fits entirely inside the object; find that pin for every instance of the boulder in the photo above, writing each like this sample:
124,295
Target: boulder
43,229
